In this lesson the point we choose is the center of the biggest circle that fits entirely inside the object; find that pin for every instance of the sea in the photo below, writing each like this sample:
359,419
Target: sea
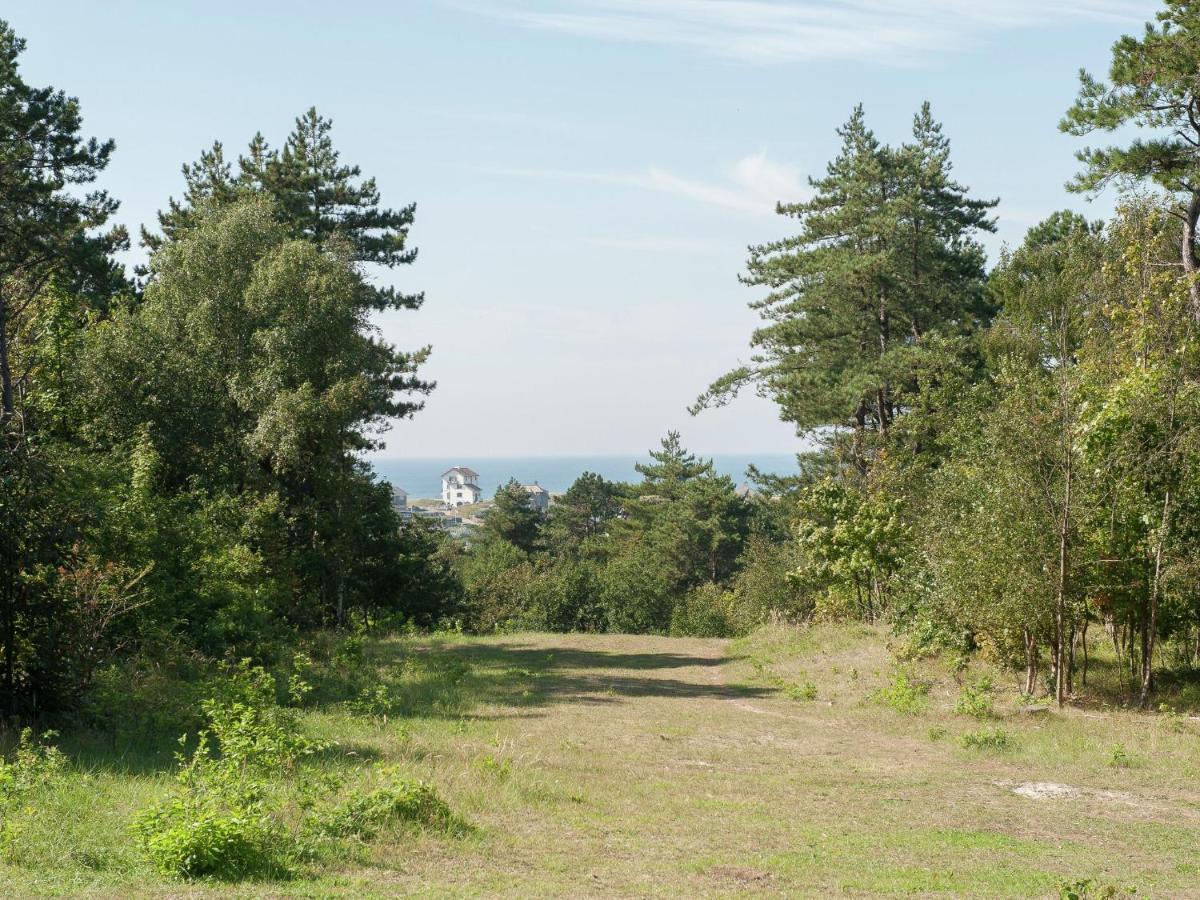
422,478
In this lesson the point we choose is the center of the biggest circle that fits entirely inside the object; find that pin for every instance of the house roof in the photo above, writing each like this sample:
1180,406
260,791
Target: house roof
462,470
535,488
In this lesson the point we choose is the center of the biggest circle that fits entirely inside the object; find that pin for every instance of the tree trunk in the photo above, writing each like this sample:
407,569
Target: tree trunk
1188,253
1148,636
7,409
1084,647
1030,662
1060,599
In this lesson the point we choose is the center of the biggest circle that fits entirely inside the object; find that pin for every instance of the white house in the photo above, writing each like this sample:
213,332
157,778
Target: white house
539,497
460,486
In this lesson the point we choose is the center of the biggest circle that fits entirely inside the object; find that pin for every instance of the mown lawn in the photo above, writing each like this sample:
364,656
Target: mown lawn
648,766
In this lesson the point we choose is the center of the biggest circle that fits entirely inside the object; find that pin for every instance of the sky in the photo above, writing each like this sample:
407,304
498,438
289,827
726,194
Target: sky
587,173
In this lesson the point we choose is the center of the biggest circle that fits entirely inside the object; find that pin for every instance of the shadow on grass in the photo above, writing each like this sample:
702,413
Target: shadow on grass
523,675
406,681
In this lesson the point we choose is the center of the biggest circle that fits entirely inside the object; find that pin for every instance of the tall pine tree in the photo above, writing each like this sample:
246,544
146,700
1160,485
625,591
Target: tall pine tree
885,258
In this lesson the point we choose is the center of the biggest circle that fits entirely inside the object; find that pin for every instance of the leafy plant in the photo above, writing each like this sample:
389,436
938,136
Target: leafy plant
223,818
975,700
988,739
903,694
34,764
402,801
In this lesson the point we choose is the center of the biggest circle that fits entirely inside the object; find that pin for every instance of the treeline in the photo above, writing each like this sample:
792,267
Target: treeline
680,552
180,451
1008,459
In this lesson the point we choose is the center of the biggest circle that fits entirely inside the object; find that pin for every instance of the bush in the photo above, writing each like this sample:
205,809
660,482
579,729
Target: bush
903,694
222,820
987,739
34,765
403,801
198,837
976,700
636,593
705,612
765,588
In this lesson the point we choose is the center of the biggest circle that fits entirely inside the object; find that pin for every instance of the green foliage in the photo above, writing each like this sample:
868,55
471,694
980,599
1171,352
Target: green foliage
987,739
849,538
401,801
224,818
885,223
513,520
706,611
975,700
1090,889
1119,757
35,764
903,694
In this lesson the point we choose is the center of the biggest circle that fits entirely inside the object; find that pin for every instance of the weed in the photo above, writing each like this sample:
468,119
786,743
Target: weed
500,769
805,691
975,700
988,739
402,801
903,694
1087,889
1119,757
937,732
35,765
1171,719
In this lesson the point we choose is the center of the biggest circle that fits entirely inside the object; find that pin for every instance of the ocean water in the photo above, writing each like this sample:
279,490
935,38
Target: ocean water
422,478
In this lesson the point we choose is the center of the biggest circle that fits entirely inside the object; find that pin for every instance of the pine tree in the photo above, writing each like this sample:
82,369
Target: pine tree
672,467
317,197
1153,86
885,258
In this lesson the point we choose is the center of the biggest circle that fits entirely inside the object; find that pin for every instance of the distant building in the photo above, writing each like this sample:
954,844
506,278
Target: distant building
539,497
460,486
399,497
746,492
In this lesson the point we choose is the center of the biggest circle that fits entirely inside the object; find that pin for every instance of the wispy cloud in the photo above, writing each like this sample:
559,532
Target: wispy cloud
754,184
903,32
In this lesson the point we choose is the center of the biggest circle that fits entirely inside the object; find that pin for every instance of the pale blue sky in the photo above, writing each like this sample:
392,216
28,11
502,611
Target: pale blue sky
588,173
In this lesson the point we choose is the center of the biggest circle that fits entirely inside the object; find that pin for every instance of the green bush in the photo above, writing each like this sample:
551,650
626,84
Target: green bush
976,700
401,802
903,694
199,836
987,739
705,612
34,765
223,818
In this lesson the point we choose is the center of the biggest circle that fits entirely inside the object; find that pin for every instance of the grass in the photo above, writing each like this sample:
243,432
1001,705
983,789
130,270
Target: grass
647,766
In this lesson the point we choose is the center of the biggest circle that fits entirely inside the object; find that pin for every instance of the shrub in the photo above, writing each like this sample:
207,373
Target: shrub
976,700
373,703
1119,757
765,589
222,820
903,694
403,801
805,691
704,612
987,739
200,833
34,765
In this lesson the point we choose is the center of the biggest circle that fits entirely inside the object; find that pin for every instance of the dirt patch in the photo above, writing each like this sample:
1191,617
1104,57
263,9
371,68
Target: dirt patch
1050,790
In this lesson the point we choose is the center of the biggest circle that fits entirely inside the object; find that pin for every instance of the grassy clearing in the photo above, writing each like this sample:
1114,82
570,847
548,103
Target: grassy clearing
643,766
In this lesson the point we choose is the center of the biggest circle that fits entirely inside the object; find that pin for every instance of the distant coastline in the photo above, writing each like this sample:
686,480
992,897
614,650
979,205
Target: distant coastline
422,477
